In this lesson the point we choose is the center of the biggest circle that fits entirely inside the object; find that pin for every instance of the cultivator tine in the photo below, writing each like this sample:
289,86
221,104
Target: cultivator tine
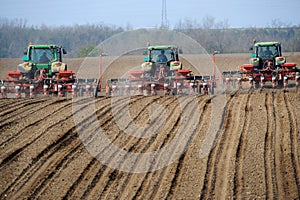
18,91
285,82
297,79
46,92
262,81
3,91
74,91
31,91
60,90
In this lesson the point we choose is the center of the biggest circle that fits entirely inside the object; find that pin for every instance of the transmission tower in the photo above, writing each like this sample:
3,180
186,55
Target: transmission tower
164,19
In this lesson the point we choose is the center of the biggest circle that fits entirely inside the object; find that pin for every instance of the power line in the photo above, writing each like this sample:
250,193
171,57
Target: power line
164,19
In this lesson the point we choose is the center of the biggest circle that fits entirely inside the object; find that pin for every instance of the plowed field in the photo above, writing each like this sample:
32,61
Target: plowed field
256,153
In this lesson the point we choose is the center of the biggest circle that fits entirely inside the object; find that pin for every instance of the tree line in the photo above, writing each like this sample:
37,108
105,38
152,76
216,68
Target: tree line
79,40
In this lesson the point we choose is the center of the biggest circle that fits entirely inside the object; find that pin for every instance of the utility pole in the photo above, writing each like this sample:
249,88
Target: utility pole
164,19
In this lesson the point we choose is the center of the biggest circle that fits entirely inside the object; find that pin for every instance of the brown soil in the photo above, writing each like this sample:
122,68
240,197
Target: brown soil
256,153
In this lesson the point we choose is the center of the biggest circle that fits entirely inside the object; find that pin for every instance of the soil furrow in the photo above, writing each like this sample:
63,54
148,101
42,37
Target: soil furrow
122,140
210,175
23,112
105,122
139,146
74,161
269,149
161,180
43,137
12,134
17,135
230,142
183,159
144,181
293,141
285,171
238,177
13,104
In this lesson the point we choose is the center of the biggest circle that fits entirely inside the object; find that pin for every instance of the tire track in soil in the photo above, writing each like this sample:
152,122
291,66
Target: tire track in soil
118,186
10,105
214,184
104,171
45,188
25,110
42,191
19,117
181,162
91,164
153,181
238,172
253,163
293,141
285,170
13,132
33,160
16,133
269,148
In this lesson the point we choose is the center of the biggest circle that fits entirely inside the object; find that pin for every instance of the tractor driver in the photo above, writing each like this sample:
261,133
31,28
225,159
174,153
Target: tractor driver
44,58
268,53
162,57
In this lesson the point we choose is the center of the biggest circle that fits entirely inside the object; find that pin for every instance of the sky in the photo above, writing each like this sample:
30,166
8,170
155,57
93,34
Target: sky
148,13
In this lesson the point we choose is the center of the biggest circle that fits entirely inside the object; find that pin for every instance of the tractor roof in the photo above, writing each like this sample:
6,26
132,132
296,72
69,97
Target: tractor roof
266,44
43,46
162,47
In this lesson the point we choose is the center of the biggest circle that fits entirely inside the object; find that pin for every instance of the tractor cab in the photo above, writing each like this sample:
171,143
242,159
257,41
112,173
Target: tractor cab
267,54
46,58
161,61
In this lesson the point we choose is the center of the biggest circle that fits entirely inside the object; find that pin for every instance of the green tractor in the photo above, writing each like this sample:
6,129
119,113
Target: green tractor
163,71
42,71
42,58
265,65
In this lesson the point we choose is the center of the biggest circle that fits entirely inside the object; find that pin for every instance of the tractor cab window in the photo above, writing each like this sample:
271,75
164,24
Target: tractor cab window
268,52
162,55
41,55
